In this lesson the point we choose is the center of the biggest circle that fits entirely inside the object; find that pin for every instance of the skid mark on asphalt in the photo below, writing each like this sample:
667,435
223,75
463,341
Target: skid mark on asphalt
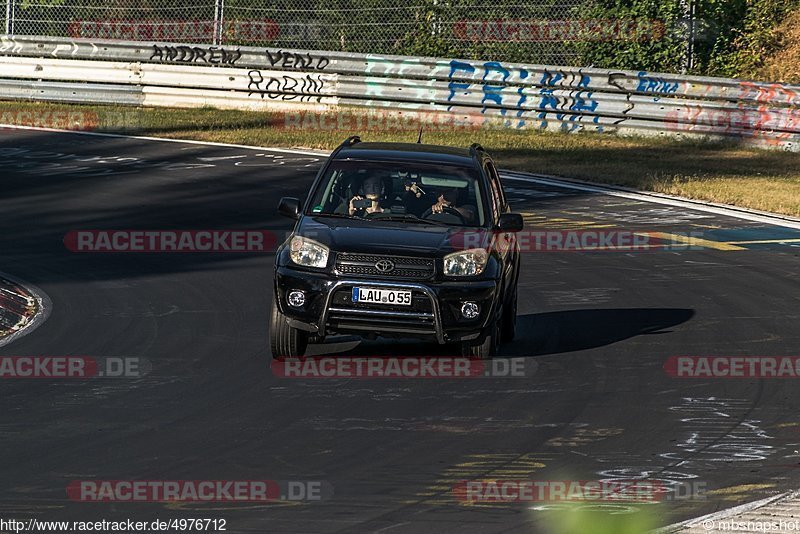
580,296
457,425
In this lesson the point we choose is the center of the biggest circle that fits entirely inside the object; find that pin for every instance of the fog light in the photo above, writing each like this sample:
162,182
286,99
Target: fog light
296,299
470,310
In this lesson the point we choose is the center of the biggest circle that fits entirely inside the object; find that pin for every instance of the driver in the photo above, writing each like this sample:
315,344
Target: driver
448,198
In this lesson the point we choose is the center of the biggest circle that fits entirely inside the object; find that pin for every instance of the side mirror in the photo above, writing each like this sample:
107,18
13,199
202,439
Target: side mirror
510,222
289,207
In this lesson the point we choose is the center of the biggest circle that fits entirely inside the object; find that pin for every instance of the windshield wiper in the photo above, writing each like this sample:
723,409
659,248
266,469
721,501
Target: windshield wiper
337,215
396,217
408,218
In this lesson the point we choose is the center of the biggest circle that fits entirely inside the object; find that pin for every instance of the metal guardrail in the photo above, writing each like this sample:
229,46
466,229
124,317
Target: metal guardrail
483,94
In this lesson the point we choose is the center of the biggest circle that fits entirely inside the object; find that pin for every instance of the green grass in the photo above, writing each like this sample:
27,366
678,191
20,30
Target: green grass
593,519
729,173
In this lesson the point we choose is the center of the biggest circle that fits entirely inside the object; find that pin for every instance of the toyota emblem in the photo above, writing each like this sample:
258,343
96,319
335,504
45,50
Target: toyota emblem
385,266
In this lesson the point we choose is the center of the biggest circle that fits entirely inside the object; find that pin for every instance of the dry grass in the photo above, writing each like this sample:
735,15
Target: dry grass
726,173
784,64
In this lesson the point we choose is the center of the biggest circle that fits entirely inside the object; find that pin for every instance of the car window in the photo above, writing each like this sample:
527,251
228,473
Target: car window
376,189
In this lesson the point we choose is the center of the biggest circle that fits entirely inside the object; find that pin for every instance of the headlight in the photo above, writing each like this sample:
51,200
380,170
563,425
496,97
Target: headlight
308,253
465,263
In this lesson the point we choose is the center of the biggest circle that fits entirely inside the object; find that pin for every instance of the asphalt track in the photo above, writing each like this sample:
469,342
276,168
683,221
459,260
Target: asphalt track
597,328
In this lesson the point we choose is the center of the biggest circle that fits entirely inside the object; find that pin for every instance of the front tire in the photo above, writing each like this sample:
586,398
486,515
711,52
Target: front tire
509,328
285,341
488,348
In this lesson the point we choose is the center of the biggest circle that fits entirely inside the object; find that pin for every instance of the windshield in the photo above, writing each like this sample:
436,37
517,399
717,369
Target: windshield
405,191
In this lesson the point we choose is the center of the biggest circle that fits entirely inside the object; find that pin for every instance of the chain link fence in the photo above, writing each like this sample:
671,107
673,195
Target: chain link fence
556,32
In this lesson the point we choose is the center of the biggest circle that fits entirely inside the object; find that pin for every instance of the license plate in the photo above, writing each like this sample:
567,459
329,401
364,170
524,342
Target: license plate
373,295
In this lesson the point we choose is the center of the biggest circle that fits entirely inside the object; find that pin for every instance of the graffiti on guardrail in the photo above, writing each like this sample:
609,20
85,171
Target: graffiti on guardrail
518,102
492,94
212,55
653,84
293,60
769,93
301,88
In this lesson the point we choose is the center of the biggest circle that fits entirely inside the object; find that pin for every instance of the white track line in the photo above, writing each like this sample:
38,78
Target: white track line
305,152
643,196
658,198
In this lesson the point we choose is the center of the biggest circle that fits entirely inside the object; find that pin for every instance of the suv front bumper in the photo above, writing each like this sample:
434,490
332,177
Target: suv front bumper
435,312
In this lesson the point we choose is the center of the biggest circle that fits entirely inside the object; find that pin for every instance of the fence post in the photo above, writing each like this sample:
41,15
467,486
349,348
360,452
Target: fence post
9,15
689,8
690,45
219,18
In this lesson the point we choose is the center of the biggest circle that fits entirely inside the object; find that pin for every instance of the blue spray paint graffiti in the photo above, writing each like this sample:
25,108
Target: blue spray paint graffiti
512,100
494,93
650,84
456,66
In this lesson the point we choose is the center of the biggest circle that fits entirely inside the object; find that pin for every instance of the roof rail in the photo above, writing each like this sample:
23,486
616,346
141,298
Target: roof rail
350,141
474,150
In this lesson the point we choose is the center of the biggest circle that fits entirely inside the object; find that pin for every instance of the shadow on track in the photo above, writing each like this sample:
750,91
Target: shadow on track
538,334
575,330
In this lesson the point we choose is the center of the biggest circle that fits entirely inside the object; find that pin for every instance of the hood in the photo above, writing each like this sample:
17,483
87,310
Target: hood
372,236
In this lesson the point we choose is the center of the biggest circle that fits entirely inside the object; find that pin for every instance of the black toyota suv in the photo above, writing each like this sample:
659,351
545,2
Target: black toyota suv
399,240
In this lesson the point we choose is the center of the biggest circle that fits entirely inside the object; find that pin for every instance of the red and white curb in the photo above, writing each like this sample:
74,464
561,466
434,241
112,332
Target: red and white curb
23,308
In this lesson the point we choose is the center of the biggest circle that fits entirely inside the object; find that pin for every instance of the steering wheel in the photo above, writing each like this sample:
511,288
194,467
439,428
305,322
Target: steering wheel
446,210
